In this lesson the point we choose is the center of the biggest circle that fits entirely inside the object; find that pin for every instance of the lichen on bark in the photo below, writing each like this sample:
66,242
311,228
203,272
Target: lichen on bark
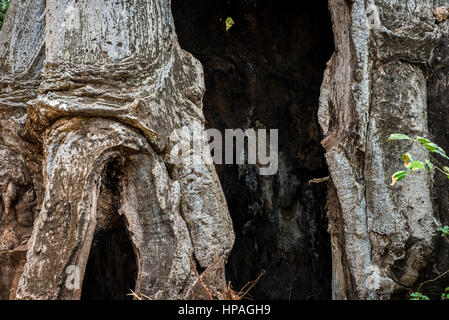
375,85
112,84
92,86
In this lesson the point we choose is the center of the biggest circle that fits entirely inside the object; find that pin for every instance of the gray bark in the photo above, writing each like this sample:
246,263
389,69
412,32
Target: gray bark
84,84
114,87
376,85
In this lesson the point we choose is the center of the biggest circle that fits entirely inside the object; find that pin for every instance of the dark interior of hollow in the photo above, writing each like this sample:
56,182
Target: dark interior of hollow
112,267
266,72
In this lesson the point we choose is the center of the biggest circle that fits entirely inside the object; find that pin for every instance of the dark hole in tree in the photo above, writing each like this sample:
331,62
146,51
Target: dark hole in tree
112,267
266,72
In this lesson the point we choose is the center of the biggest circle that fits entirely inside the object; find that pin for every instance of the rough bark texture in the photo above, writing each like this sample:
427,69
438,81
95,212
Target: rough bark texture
438,123
266,72
115,87
95,96
375,85
21,59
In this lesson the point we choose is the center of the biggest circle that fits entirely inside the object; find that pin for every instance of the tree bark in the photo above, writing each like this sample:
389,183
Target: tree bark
94,89
21,60
115,87
376,85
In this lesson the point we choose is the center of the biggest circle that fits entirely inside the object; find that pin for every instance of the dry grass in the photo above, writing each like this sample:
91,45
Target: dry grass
210,285
244,292
138,296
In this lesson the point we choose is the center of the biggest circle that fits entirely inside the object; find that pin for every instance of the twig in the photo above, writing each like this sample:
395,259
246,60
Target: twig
249,286
139,297
319,180
432,280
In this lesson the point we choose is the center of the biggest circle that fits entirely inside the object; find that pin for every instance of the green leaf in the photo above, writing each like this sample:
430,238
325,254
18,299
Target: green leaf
417,165
441,153
429,165
229,23
407,157
397,176
400,175
444,232
432,147
399,136
423,140
418,296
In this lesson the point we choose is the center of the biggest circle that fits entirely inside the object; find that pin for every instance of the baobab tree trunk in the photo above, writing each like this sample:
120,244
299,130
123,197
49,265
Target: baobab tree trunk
96,95
114,92
376,85
21,60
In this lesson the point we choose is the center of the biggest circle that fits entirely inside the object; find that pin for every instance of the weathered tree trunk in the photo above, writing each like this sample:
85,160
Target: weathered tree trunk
115,88
21,60
262,74
95,97
376,85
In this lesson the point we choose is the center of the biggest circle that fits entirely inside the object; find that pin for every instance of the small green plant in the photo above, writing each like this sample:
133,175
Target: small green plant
418,296
428,165
4,4
445,295
431,164
444,231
